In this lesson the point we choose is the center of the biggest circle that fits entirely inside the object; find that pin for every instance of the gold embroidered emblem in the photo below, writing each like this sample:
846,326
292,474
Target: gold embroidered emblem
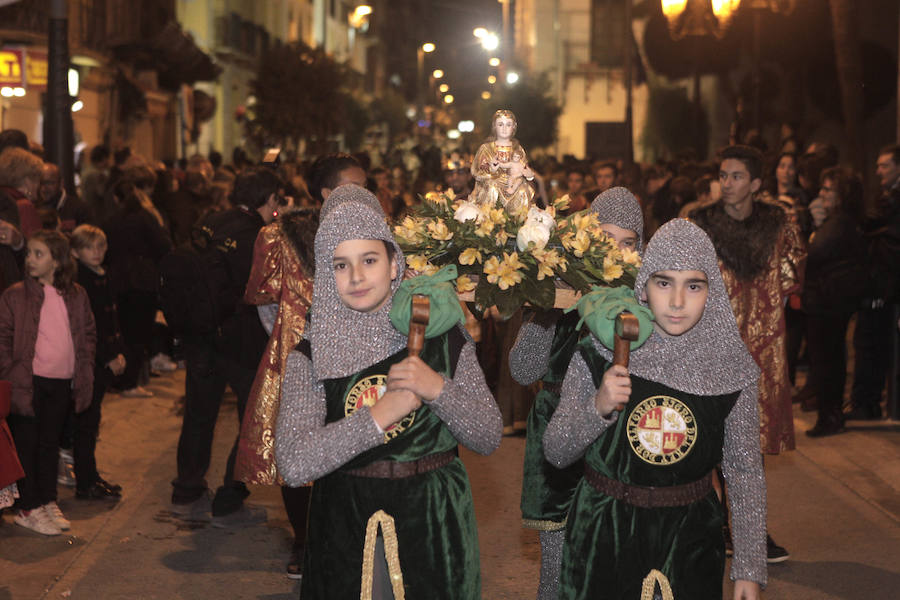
661,430
366,392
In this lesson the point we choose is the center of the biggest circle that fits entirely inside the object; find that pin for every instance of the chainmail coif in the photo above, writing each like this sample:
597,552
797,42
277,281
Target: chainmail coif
337,352
618,206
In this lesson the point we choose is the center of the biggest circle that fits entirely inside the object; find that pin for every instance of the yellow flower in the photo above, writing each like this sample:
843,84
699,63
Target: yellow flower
469,256
485,228
585,221
450,194
497,215
430,269
561,203
464,284
417,262
438,230
612,270
435,198
409,230
631,257
548,260
506,273
501,237
492,269
512,260
577,243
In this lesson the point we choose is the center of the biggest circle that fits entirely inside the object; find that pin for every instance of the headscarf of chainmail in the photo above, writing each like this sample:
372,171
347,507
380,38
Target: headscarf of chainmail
343,340
350,192
618,206
710,358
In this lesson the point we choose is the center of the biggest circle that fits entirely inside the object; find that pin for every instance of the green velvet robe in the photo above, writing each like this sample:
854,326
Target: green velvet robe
427,520
663,437
547,491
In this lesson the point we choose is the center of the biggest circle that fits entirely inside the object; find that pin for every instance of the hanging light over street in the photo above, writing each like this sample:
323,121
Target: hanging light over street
490,41
428,47
479,32
492,79
485,95
437,73
444,88
494,62
512,77
448,99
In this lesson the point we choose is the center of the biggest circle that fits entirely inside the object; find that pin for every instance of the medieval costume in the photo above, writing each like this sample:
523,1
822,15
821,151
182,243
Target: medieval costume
392,513
645,514
542,352
762,260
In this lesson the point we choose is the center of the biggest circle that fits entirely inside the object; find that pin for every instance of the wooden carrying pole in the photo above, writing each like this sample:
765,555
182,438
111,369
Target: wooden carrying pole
418,321
627,329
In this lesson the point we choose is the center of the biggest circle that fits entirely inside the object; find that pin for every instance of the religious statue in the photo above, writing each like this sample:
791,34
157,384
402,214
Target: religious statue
501,168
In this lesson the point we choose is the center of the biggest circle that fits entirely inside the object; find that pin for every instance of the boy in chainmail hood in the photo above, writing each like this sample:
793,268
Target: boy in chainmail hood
645,519
391,513
542,351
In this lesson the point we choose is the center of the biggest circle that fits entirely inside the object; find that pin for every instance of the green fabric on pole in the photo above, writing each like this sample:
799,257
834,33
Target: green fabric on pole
444,310
600,307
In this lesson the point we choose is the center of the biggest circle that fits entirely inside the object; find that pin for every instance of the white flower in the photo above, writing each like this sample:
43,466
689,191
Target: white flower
540,217
532,232
467,211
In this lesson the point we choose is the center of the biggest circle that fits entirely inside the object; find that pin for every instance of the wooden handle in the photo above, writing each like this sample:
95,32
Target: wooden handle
418,321
627,329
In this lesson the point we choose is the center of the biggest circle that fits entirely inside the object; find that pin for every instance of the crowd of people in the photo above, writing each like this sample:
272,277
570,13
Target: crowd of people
252,275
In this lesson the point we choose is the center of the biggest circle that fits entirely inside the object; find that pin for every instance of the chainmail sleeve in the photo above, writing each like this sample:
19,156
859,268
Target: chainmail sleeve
267,315
305,447
743,470
530,355
576,423
467,407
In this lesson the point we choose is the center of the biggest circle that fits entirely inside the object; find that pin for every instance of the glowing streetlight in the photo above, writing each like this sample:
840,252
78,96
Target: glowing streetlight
444,88
490,42
492,79
512,77
466,126
479,32
494,62
363,10
485,95
448,99
437,73
428,47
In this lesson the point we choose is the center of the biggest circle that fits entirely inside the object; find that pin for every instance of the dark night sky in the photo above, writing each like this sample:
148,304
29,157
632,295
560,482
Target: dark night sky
459,53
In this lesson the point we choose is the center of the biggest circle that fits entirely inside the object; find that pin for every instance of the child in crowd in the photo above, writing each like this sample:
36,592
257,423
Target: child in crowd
47,339
391,513
542,351
645,518
89,249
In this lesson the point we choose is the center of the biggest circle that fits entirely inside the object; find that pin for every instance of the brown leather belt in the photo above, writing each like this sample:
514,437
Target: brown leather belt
650,497
392,469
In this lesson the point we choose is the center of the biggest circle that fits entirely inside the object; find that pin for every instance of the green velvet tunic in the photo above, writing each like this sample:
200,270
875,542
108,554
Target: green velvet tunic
546,490
433,514
663,437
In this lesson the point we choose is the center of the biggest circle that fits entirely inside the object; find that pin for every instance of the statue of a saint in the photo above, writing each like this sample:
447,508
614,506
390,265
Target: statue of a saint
501,168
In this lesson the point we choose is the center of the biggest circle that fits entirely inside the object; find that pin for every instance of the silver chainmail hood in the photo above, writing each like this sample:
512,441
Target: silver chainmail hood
710,358
350,192
344,340
619,206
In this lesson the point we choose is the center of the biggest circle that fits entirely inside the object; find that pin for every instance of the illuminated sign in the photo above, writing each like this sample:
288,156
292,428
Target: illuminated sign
36,69
11,71
21,67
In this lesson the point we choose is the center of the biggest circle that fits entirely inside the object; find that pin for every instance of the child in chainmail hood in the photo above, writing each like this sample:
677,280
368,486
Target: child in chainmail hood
391,513
645,515
542,351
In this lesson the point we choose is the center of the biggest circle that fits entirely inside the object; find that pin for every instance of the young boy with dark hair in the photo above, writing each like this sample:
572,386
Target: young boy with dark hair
645,518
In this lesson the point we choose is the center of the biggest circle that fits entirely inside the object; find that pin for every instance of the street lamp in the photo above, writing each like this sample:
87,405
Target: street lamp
444,88
479,32
698,17
492,79
494,62
485,95
437,73
427,47
448,99
490,42
512,77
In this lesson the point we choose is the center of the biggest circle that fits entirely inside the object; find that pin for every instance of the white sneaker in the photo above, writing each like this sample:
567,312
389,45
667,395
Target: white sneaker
137,392
37,520
162,363
65,473
57,516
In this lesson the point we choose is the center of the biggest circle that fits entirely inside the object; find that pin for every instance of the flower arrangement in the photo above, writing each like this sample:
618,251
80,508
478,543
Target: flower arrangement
510,258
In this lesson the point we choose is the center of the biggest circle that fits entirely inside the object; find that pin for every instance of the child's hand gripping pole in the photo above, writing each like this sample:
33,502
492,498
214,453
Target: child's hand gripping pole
627,329
418,321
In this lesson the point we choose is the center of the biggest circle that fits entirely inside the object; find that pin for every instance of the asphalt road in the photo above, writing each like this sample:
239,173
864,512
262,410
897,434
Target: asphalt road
834,503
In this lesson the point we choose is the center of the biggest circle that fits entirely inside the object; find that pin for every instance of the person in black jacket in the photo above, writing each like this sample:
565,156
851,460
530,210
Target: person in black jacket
835,282
229,356
89,248
137,241
875,322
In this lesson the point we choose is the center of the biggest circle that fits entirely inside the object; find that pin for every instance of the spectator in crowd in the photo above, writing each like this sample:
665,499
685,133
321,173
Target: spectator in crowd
69,207
332,170
191,201
230,356
20,178
575,190
605,173
391,203
94,183
875,320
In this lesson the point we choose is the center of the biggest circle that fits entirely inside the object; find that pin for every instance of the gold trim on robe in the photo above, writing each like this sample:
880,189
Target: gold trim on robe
391,554
650,582
275,277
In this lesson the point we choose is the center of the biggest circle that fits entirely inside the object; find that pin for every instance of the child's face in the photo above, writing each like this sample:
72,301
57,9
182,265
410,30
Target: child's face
39,263
625,238
363,273
677,299
92,255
